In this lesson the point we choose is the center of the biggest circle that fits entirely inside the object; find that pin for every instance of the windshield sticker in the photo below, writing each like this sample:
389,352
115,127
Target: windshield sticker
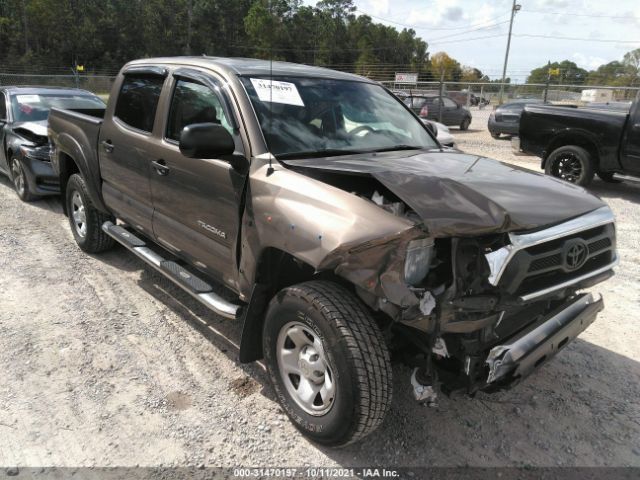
277,92
28,98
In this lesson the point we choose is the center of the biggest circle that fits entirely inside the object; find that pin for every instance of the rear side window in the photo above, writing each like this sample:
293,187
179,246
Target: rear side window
138,100
3,107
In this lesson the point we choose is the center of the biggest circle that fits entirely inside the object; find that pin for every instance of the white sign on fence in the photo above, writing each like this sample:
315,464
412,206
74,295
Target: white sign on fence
406,77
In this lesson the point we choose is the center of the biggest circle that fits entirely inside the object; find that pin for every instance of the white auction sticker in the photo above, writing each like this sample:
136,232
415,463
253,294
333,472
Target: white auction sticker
28,98
277,92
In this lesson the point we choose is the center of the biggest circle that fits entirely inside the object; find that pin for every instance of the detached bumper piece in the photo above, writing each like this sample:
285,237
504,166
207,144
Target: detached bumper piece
509,363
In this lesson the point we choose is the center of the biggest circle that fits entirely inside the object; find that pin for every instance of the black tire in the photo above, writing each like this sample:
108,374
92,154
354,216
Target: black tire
608,177
88,233
354,350
572,164
466,121
19,179
495,135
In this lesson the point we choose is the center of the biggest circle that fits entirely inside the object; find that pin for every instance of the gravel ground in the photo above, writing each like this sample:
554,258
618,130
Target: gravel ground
104,363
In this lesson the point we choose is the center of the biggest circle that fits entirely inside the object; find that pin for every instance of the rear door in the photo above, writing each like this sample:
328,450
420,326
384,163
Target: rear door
197,202
451,113
125,143
630,151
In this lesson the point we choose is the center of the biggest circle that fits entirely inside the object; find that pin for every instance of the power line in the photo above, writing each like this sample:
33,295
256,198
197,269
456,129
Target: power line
571,14
470,39
583,39
470,31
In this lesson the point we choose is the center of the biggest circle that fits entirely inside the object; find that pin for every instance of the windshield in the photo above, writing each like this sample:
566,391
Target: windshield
35,107
319,117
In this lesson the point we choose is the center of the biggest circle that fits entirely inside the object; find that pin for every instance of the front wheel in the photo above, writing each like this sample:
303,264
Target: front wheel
20,183
572,164
465,123
85,219
327,361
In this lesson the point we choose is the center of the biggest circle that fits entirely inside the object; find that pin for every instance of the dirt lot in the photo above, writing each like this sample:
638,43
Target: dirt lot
104,363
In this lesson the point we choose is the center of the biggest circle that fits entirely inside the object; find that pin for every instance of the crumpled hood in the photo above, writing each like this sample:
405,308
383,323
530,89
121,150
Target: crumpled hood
458,194
38,128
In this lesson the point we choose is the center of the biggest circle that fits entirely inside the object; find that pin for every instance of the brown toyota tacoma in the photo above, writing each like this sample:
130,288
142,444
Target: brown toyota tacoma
317,209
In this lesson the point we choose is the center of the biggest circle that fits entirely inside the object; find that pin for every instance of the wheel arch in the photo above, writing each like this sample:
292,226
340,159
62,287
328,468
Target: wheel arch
578,139
275,270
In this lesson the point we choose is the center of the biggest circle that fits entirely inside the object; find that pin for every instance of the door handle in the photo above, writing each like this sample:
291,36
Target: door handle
161,167
107,146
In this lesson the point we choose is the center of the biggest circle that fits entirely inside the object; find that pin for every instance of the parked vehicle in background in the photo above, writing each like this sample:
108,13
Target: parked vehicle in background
505,119
576,143
24,156
441,132
429,106
339,226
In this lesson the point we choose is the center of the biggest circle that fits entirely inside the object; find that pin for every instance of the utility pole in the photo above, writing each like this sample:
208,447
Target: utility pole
515,7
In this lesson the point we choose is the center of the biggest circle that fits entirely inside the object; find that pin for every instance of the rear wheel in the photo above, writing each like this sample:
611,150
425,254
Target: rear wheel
464,125
20,183
85,219
572,164
327,361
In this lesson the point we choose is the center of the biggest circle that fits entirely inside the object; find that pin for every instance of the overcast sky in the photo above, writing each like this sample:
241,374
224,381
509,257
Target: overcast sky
606,29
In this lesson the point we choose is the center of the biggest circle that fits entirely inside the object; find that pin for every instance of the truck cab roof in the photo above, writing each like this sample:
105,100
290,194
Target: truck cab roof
251,66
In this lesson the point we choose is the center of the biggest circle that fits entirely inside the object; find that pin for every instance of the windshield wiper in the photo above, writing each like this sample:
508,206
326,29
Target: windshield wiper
329,152
397,147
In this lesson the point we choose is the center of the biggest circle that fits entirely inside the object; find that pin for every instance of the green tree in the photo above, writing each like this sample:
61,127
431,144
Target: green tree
569,73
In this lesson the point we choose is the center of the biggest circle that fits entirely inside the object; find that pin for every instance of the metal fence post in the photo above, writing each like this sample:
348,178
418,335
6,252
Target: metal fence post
440,102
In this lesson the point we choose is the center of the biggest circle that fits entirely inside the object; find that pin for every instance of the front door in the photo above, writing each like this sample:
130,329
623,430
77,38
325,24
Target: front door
124,147
197,201
630,151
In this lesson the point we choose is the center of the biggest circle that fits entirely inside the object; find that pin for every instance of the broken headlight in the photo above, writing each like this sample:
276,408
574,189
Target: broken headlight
417,260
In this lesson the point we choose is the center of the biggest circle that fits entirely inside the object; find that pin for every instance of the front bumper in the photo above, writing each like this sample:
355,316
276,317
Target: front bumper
511,362
40,176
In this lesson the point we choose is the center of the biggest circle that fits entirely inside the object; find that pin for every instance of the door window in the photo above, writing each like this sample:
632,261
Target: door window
138,99
192,103
448,103
3,107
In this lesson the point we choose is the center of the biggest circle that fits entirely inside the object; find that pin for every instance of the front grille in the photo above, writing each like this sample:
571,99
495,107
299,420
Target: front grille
547,264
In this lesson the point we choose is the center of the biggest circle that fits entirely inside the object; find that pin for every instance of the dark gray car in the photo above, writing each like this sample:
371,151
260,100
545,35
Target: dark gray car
24,156
429,106
506,118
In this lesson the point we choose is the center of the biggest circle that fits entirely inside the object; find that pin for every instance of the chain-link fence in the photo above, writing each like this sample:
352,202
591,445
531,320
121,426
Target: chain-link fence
99,84
482,98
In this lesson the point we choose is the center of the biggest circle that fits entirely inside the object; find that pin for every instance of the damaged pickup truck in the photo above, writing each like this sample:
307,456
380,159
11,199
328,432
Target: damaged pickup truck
317,209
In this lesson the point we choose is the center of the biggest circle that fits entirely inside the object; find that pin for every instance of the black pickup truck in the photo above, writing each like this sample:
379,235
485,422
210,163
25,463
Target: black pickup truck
340,227
577,143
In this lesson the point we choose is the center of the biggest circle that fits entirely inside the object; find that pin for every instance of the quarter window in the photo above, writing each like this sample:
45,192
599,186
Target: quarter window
449,103
192,103
138,100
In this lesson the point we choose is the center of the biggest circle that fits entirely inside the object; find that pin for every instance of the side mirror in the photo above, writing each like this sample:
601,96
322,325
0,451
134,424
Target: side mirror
431,127
206,140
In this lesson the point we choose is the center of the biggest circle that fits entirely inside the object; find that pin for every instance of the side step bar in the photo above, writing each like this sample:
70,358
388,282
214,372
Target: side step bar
626,178
196,287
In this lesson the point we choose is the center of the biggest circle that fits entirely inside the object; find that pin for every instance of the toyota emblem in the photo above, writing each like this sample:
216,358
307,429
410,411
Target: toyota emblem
575,254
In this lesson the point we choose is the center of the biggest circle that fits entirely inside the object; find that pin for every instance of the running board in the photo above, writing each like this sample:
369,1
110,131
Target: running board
626,178
196,287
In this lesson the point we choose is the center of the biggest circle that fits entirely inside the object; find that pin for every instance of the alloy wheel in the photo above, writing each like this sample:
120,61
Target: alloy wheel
18,176
568,167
